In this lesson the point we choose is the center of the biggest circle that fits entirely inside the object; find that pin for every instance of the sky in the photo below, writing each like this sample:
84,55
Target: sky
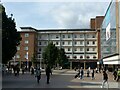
55,14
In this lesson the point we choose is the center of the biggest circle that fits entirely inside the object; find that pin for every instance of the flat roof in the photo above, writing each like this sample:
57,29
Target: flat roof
54,29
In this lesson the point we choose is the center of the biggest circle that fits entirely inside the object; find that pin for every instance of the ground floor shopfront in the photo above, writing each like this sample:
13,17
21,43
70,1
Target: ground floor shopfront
83,63
72,64
111,62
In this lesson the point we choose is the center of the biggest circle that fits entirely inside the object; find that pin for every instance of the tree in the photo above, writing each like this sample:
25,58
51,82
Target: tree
10,37
62,58
54,56
50,54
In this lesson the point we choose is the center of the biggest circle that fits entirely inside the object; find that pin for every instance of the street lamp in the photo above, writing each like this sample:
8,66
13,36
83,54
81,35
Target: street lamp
27,59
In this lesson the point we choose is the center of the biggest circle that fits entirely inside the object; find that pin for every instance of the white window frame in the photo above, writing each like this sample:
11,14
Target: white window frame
18,48
26,41
26,34
26,48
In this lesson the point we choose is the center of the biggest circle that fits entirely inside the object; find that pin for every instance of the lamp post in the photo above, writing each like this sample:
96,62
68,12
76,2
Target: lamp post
27,59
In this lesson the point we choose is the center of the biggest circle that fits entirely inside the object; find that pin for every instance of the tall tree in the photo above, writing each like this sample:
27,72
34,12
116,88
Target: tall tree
10,37
62,58
50,54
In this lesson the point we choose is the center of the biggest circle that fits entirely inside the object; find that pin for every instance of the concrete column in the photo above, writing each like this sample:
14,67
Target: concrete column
84,65
70,64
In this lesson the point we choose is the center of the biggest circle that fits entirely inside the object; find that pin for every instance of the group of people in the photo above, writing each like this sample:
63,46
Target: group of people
116,74
38,73
80,73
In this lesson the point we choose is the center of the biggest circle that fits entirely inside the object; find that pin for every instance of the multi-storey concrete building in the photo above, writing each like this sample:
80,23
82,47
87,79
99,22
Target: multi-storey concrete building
80,45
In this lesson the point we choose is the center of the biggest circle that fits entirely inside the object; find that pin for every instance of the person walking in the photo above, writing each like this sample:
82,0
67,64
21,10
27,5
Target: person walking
23,69
18,70
81,73
105,79
93,74
38,74
32,70
118,75
115,75
48,71
88,71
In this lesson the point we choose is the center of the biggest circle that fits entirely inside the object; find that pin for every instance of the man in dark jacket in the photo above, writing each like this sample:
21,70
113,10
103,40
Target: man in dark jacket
48,71
105,79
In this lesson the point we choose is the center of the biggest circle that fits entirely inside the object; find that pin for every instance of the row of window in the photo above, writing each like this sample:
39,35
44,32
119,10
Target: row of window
70,36
88,57
75,49
75,57
68,43
25,48
18,56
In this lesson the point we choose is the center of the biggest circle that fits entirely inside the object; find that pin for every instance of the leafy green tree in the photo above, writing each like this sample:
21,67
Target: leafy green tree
50,54
54,56
62,58
10,37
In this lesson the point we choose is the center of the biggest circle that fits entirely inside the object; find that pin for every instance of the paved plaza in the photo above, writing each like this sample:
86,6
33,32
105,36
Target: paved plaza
59,79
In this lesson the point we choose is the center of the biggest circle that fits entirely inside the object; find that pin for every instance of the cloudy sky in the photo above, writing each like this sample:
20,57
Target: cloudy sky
55,14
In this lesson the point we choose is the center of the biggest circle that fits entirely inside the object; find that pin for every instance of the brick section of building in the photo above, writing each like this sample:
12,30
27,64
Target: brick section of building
27,44
92,23
95,23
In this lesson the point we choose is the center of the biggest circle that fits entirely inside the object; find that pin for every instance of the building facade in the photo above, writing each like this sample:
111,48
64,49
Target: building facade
80,45
110,36
27,47
95,23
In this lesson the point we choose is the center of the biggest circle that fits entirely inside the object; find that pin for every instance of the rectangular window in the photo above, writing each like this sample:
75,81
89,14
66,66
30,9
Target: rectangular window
93,36
68,49
75,42
39,49
63,36
68,42
87,49
56,43
81,42
18,48
75,49
26,34
45,43
68,35
39,56
87,35
87,42
39,43
93,42
81,36
26,41
63,43
39,37
57,36
81,49
26,48
17,56
93,49
75,36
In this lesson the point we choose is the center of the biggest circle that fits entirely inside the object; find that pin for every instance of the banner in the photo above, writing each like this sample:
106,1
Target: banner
108,32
